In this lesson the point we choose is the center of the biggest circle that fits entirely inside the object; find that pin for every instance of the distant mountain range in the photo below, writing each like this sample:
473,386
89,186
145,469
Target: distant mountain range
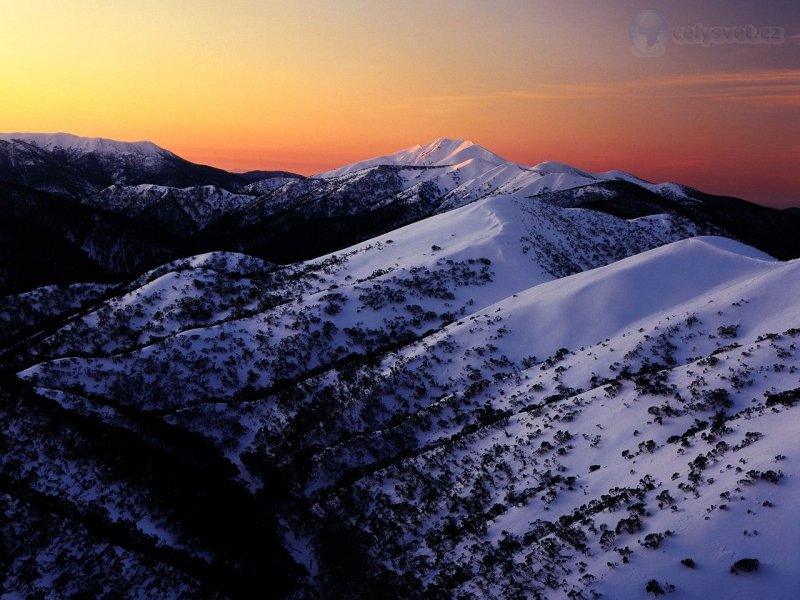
174,208
77,167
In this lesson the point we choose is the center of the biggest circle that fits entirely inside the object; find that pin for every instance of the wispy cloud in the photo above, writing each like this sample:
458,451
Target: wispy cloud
763,88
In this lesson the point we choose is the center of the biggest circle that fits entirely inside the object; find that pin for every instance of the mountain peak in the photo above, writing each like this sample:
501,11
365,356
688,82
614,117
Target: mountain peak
452,143
448,151
41,160
438,153
84,145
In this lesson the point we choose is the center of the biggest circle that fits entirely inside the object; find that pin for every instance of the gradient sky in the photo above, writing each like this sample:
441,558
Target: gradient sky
307,85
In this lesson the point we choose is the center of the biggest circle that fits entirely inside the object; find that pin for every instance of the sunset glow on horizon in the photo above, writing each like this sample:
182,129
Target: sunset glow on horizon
310,85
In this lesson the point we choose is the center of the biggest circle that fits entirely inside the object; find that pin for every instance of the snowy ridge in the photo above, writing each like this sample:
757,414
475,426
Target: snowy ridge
581,309
523,242
346,205
479,163
76,167
67,142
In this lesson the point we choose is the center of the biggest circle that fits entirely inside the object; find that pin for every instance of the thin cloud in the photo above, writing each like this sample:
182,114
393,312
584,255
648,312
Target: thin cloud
762,88
773,88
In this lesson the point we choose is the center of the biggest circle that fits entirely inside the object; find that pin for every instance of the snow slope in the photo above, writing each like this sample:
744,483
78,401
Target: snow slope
442,262
570,418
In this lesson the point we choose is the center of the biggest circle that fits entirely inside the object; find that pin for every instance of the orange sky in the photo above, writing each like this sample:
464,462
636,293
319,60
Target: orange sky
313,84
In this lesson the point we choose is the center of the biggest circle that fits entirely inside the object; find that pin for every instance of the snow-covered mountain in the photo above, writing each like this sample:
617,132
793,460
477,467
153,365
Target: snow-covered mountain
483,402
525,243
470,165
284,218
77,167
68,144
487,381
443,152
472,161
368,198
